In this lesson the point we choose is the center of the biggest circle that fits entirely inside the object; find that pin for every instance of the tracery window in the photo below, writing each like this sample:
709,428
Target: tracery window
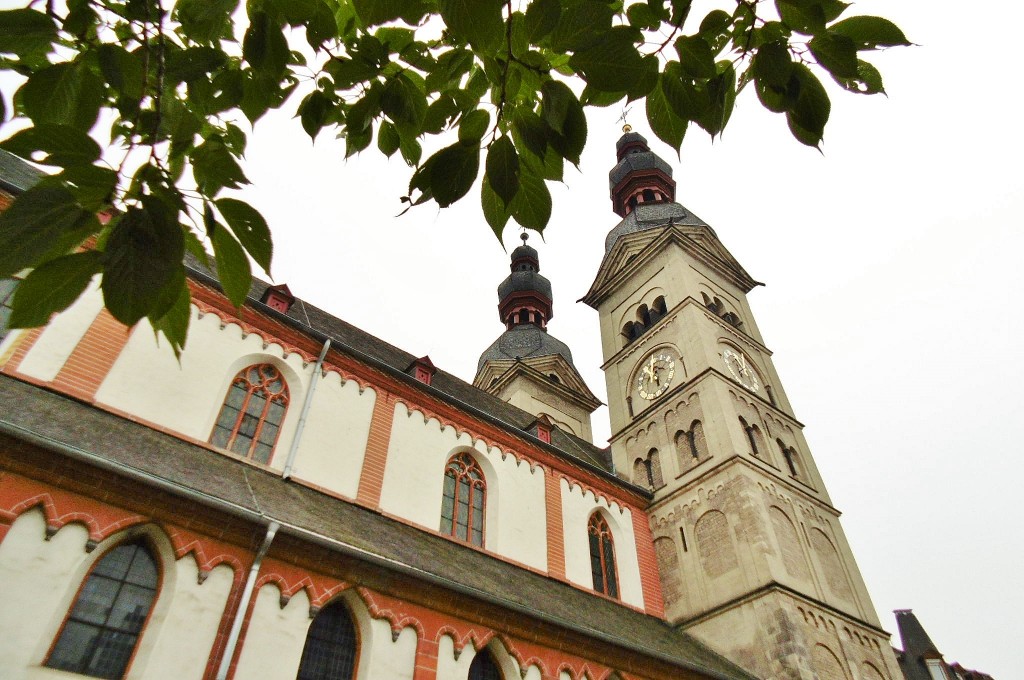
331,646
483,667
105,621
602,556
462,507
250,419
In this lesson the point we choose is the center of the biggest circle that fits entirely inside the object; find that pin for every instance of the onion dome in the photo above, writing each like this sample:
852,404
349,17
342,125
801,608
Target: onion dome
640,176
524,297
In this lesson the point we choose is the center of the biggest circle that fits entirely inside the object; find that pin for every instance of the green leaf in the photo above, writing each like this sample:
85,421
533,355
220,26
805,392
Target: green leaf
38,218
867,81
804,16
92,185
532,205
411,150
714,24
811,111
250,228
772,64
664,121
869,33
557,100
564,115
722,95
373,12
313,112
26,31
52,287
404,103
613,64
530,133
233,270
478,22
496,213
195,62
123,71
502,169
265,46
452,171
141,257
321,27
682,95
174,322
473,126
388,139
541,18
215,168
583,23
204,21
836,53
52,94
695,56
60,145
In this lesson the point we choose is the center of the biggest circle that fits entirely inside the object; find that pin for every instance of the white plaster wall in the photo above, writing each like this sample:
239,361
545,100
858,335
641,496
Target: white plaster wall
146,378
276,635
448,667
186,636
333,443
34,577
380,658
61,335
577,506
515,522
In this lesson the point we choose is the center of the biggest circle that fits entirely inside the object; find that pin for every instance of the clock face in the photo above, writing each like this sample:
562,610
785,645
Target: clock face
741,370
655,375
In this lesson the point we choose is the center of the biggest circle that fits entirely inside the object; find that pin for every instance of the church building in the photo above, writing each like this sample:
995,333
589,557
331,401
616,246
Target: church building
295,498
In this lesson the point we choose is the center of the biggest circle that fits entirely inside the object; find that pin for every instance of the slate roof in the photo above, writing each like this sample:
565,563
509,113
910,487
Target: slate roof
652,216
16,175
63,425
522,342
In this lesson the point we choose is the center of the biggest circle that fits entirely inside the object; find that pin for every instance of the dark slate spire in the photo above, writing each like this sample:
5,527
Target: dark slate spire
640,176
524,297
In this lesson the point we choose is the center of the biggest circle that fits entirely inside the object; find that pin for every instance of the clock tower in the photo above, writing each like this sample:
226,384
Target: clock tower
751,555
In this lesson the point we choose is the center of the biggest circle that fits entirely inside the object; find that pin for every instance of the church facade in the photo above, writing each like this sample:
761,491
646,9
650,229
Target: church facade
297,498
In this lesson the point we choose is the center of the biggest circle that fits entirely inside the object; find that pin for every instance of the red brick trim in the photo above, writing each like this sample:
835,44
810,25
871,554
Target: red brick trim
650,580
93,357
555,524
20,347
371,477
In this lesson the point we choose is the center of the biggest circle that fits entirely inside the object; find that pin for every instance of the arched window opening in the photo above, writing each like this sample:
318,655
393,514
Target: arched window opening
483,667
602,556
691,444
103,626
733,319
553,378
653,465
643,316
658,309
524,316
462,508
628,333
649,196
250,419
640,476
331,646
791,458
630,204
752,436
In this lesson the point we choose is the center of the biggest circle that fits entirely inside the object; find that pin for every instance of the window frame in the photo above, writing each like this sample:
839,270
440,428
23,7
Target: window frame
605,538
484,656
241,381
449,525
141,543
356,637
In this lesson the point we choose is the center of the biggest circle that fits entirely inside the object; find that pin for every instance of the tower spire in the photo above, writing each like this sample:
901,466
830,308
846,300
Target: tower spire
640,176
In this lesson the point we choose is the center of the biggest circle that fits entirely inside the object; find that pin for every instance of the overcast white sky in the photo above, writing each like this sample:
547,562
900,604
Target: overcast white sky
892,298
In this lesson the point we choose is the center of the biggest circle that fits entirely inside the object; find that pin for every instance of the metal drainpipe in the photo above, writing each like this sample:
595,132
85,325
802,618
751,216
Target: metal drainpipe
294,450
243,604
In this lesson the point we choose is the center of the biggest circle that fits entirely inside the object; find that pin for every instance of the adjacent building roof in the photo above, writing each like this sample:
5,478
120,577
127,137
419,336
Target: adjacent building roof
154,458
918,649
16,175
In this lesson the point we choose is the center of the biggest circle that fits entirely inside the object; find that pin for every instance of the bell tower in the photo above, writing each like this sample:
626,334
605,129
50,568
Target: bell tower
752,558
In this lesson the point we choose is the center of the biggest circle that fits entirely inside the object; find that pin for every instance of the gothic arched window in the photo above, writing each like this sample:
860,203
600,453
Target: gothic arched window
602,556
462,508
99,636
253,410
331,646
483,667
